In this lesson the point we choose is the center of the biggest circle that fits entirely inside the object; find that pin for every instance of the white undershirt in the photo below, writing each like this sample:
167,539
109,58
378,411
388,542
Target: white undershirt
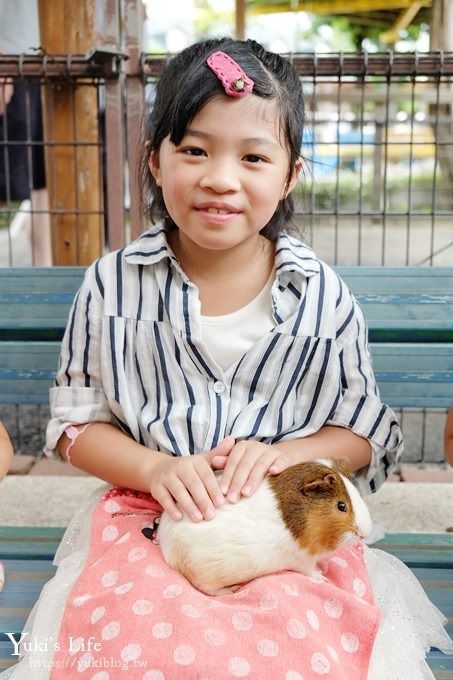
229,336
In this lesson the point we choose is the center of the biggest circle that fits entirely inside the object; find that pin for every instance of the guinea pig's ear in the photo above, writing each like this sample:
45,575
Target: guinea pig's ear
343,467
325,485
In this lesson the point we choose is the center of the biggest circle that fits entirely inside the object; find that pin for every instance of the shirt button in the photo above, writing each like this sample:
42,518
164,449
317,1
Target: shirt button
219,387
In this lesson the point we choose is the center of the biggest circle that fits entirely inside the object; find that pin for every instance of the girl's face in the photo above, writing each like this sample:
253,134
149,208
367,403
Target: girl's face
222,183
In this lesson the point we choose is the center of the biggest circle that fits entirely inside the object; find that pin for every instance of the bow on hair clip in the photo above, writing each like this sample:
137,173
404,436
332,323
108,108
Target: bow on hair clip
234,80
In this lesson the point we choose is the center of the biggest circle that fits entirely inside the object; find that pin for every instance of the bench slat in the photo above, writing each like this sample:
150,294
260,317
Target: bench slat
36,298
27,371
404,304
408,280
420,550
408,375
400,303
414,376
29,543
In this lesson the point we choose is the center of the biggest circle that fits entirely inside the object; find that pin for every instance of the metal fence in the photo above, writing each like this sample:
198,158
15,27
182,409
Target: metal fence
379,145
52,159
377,185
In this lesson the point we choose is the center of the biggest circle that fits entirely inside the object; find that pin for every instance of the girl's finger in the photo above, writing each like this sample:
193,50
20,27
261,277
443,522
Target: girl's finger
259,471
184,499
202,486
232,463
165,499
223,448
280,464
211,484
242,473
219,462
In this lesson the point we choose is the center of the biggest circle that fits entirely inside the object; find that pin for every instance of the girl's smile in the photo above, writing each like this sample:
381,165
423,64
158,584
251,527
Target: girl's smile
217,212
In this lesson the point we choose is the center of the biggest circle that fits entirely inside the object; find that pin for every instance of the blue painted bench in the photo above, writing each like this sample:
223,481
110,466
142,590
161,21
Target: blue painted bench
409,311
410,317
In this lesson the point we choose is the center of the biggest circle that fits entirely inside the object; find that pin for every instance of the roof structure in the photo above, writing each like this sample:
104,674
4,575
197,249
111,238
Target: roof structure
392,16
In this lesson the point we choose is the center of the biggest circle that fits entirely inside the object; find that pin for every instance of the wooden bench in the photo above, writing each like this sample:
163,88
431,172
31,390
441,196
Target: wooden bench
410,317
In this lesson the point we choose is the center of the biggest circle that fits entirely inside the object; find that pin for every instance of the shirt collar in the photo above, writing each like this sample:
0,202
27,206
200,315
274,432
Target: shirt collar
151,247
293,259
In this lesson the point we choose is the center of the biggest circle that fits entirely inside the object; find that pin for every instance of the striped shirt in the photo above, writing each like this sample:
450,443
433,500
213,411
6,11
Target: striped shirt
133,355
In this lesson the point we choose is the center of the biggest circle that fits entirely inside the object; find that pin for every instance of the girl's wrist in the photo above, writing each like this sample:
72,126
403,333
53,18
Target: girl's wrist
148,465
298,450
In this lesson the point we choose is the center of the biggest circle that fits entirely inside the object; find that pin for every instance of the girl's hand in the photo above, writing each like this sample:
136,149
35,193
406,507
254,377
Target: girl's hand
188,484
247,465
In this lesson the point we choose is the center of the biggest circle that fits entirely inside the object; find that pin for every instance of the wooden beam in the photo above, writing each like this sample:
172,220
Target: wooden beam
71,135
404,20
333,6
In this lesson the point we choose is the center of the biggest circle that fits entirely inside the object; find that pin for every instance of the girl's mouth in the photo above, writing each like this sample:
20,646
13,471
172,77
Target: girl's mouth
217,208
217,215
218,211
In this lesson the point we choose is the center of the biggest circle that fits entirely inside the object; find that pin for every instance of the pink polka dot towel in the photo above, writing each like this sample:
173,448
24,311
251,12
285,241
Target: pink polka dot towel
130,615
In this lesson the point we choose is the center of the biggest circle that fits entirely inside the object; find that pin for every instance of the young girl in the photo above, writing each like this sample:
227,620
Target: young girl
6,456
6,452
218,341
448,437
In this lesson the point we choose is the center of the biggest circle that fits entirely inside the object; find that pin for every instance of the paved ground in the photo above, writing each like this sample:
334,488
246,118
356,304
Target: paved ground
43,498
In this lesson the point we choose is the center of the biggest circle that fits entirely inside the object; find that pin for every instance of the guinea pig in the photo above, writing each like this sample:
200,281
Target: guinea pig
292,521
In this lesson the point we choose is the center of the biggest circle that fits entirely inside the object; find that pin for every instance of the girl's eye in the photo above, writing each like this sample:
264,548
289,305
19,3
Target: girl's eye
253,158
193,151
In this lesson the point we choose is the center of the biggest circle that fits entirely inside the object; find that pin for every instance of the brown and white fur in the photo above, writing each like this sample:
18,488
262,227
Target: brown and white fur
292,521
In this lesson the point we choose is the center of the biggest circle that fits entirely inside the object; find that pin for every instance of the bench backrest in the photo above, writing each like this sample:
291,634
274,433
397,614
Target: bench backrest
409,313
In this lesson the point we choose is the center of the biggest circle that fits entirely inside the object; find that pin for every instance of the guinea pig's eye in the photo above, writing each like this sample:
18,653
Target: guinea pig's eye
342,507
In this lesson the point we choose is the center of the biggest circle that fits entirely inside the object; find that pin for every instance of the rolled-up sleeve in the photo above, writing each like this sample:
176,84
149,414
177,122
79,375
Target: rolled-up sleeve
78,396
361,409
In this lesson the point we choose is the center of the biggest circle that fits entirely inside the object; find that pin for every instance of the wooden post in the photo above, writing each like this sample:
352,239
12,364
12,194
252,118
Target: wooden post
240,19
74,174
441,38
133,22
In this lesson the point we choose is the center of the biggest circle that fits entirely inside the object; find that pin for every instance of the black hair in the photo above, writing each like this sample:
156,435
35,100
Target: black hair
187,84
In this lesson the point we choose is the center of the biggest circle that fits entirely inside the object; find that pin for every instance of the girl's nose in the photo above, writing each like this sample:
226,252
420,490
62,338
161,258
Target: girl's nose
220,177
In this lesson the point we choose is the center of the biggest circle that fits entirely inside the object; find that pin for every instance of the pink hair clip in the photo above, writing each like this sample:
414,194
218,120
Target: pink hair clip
234,80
